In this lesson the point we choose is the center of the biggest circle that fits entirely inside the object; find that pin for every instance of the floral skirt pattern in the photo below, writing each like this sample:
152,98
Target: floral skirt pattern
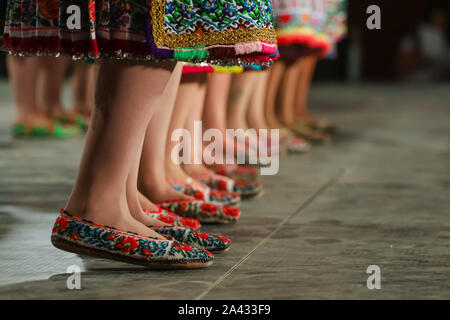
314,25
221,31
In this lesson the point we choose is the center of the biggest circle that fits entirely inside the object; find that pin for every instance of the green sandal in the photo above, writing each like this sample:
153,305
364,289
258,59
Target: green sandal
21,130
77,120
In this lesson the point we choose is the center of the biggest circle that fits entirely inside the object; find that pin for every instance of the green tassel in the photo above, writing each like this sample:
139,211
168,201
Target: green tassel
190,54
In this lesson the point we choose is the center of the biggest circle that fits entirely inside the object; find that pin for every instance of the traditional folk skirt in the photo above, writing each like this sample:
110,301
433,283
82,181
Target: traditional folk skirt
221,32
308,27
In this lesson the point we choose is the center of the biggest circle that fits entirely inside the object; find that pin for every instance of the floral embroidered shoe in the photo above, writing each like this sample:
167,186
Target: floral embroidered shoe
81,236
220,197
173,219
225,198
293,143
301,129
196,240
320,124
243,188
190,191
205,212
236,172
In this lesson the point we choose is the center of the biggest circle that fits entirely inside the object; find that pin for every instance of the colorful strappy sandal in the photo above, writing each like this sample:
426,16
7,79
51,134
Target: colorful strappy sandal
293,143
173,219
205,212
85,237
56,130
243,188
203,241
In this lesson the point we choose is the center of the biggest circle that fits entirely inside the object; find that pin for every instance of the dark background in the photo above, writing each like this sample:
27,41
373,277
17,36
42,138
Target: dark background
377,49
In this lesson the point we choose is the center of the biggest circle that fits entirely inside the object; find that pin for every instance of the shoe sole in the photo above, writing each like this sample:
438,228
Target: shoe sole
66,245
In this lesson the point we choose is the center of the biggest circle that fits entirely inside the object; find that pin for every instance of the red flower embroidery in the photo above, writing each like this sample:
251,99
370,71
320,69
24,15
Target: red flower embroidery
75,236
224,239
49,9
231,211
60,224
201,235
222,185
127,244
147,252
198,194
209,207
190,223
111,236
182,246
183,206
166,219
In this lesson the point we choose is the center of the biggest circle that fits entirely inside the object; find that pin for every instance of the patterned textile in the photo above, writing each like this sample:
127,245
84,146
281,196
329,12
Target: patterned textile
173,219
220,197
205,212
220,31
236,172
316,24
243,188
196,239
83,233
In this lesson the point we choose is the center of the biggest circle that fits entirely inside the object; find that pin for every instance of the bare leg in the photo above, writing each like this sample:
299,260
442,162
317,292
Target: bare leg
51,79
275,76
242,86
185,106
194,169
287,95
152,181
23,78
255,115
83,86
127,96
216,99
306,67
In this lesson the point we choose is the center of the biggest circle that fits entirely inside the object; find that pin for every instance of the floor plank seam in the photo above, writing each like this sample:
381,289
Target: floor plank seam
309,200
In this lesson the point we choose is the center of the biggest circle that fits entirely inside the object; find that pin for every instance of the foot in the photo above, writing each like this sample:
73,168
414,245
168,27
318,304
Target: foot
197,170
162,192
116,216
176,174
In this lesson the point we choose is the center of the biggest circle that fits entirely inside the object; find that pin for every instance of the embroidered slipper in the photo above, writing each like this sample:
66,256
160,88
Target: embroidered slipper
301,129
173,219
293,143
203,241
236,172
56,130
190,191
220,197
223,197
203,211
85,237
243,188
321,124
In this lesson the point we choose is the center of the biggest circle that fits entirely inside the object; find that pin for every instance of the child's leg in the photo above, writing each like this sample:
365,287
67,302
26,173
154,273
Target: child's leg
127,96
